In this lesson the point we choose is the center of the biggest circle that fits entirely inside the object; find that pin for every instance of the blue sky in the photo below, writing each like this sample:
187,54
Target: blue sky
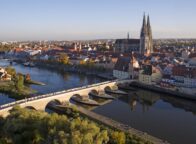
94,19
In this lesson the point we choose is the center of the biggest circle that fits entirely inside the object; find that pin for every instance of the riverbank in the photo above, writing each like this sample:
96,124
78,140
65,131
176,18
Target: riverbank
102,120
8,87
34,82
163,90
94,70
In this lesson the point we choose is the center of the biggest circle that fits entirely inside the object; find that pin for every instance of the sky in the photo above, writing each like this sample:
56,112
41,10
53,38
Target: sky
94,19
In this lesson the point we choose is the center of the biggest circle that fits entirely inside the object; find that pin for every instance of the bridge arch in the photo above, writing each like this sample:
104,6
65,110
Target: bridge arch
76,95
30,108
53,102
41,102
107,88
94,91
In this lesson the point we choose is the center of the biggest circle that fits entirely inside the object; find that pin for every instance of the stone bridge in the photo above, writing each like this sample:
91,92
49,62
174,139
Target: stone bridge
40,102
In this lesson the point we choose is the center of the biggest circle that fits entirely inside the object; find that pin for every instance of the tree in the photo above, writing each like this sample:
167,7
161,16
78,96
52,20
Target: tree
11,71
36,127
82,62
118,137
63,58
102,137
19,81
91,63
27,77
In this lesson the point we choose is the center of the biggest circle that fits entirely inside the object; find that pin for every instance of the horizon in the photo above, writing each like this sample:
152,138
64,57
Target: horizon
12,41
87,20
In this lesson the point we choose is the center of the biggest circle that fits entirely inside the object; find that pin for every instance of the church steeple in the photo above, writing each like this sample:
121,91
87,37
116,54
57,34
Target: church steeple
144,26
150,49
148,21
149,26
144,20
128,35
146,42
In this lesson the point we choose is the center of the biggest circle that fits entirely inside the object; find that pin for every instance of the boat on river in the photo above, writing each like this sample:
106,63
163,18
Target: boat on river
101,95
30,64
84,100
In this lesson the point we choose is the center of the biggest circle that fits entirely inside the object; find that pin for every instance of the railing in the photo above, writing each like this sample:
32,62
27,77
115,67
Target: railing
52,94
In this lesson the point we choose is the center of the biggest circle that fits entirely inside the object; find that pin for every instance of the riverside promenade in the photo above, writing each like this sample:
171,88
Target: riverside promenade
158,89
117,125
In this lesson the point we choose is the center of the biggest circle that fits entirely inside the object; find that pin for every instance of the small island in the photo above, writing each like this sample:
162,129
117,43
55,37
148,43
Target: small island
16,84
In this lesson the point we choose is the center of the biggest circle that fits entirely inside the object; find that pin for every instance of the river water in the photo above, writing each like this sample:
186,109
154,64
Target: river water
54,80
160,115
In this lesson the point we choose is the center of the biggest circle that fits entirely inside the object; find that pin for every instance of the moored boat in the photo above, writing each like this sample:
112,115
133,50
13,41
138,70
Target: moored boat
84,100
30,64
26,64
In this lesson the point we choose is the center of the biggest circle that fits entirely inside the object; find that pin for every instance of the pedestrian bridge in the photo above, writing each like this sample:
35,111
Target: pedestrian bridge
40,102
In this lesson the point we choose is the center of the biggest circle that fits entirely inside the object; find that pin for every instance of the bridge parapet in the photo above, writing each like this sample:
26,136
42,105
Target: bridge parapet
55,94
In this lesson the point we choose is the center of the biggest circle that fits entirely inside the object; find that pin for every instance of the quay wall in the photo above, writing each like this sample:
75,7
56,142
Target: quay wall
163,90
111,123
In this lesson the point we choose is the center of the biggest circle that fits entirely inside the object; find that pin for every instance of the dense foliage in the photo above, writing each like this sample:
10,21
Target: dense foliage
63,58
25,126
16,87
4,48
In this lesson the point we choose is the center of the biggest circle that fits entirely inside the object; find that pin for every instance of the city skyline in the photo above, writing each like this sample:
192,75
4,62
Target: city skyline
76,20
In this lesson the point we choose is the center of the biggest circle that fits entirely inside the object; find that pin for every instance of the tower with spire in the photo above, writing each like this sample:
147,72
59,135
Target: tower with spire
150,35
146,43
128,35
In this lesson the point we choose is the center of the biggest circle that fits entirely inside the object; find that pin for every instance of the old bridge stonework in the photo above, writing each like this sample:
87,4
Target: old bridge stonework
40,102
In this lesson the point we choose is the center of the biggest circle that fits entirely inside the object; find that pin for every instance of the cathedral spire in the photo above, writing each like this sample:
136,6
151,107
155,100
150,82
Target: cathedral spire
148,21
128,35
149,35
144,20
146,42
144,26
149,27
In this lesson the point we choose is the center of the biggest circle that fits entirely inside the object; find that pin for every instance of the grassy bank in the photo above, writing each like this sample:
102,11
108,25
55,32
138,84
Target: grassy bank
34,82
9,88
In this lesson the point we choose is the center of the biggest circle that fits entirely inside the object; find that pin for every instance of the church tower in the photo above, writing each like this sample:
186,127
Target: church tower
144,37
146,45
150,44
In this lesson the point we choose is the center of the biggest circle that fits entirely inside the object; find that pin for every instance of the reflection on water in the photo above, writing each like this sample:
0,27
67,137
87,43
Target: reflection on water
55,81
160,115
148,99
144,98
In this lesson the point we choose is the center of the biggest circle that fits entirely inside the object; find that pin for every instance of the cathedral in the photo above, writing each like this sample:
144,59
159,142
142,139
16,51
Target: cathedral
146,43
143,45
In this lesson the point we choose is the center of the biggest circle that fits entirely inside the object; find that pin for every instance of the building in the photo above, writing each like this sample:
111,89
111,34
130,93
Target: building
150,75
4,76
146,43
142,45
184,76
127,45
122,68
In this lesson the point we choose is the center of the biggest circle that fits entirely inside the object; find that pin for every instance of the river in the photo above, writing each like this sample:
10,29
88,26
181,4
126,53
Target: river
55,81
160,115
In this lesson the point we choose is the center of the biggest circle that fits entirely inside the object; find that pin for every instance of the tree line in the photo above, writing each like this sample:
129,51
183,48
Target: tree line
25,126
